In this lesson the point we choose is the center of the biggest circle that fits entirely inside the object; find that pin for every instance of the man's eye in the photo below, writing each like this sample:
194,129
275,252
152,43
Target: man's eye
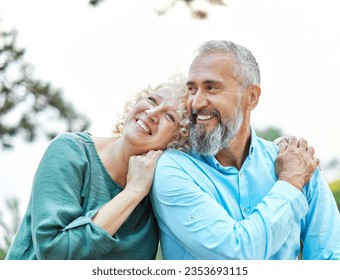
211,87
170,117
191,90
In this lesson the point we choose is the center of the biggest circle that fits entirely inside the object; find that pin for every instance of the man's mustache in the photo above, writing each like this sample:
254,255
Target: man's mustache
195,112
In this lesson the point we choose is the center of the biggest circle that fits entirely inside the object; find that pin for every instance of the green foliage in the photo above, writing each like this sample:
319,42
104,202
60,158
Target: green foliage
270,133
335,187
28,105
9,229
159,253
2,254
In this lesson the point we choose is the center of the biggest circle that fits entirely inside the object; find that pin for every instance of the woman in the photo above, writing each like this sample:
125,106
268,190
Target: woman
89,196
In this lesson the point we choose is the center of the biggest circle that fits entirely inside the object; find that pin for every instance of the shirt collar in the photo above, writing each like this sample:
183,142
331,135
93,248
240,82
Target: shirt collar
253,141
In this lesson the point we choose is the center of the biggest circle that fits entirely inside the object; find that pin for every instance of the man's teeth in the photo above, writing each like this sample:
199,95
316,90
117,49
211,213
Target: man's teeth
204,117
143,126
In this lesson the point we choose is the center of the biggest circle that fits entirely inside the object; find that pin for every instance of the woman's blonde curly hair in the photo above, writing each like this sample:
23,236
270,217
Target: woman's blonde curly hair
176,84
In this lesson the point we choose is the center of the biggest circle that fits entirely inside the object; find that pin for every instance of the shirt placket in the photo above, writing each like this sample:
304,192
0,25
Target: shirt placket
244,194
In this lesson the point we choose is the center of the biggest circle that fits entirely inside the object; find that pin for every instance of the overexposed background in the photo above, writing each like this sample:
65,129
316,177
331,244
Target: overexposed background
98,55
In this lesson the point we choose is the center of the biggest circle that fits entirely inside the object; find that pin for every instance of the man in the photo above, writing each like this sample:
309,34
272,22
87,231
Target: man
237,196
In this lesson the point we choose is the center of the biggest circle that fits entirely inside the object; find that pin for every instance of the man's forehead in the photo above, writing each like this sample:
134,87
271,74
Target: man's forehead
211,56
209,67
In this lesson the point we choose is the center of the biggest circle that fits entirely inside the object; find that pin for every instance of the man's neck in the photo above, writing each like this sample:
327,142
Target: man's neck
237,150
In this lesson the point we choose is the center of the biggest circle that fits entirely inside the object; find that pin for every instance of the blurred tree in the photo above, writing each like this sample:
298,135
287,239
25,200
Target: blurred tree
335,187
29,105
199,8
333,163
2,254
9,230
270,133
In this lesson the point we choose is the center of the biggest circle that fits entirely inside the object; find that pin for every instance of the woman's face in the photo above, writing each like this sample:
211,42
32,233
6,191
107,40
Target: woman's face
153,121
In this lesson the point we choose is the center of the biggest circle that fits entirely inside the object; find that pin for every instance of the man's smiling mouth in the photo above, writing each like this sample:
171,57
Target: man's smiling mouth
205,117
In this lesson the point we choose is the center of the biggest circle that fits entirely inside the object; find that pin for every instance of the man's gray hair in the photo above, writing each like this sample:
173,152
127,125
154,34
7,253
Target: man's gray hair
246,69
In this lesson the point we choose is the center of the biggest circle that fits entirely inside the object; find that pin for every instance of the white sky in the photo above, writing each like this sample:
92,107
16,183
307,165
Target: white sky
99,55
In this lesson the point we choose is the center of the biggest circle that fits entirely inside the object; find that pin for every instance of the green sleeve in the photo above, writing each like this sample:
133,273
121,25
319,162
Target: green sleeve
60,229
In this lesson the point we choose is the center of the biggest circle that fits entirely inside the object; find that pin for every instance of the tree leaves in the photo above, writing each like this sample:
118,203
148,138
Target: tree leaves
30,107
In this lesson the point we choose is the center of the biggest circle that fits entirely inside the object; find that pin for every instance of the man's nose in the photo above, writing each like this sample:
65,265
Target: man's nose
199,100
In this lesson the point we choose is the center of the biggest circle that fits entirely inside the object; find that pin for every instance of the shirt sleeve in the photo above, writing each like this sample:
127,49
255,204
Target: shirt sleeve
207,231
60,229
321,227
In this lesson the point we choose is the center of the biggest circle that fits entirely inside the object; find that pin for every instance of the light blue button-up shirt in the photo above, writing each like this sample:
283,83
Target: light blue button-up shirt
209,211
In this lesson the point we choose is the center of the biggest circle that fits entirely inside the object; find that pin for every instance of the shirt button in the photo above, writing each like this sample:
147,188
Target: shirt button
244,209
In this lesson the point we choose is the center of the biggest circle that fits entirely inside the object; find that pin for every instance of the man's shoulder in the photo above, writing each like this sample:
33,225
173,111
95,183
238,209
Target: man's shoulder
175,153
178,157
267,147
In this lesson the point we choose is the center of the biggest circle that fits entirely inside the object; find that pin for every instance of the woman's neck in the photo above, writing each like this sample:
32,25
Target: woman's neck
114,156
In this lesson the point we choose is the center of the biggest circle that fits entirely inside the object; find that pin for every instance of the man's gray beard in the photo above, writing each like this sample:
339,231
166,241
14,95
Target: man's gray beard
212,142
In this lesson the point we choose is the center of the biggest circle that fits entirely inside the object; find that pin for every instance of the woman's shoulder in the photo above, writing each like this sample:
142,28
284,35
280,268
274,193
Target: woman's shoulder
73,136
70,143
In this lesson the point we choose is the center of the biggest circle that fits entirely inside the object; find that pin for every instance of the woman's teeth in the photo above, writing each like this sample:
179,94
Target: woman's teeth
142,125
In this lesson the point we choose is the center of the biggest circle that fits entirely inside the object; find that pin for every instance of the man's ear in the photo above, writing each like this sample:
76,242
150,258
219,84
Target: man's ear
253,95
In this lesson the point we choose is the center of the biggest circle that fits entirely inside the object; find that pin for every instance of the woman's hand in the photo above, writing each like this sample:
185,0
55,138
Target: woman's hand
295,162
141,171
139,180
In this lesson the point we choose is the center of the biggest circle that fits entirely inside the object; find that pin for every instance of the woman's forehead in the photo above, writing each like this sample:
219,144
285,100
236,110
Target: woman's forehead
168,95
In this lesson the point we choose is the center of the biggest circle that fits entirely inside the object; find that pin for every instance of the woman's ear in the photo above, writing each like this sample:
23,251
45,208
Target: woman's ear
253,95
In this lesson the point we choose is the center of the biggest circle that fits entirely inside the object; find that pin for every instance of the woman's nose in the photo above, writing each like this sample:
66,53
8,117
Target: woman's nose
153,114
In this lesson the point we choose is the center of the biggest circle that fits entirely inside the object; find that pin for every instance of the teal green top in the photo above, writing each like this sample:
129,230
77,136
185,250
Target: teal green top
69,187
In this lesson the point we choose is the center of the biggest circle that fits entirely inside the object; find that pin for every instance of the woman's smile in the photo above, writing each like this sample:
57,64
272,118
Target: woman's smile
143,126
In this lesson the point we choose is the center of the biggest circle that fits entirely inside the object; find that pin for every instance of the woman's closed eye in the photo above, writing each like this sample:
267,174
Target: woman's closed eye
170,117
168,114
152,100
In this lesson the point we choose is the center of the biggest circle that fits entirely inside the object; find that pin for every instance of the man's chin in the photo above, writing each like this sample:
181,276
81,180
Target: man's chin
205,128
